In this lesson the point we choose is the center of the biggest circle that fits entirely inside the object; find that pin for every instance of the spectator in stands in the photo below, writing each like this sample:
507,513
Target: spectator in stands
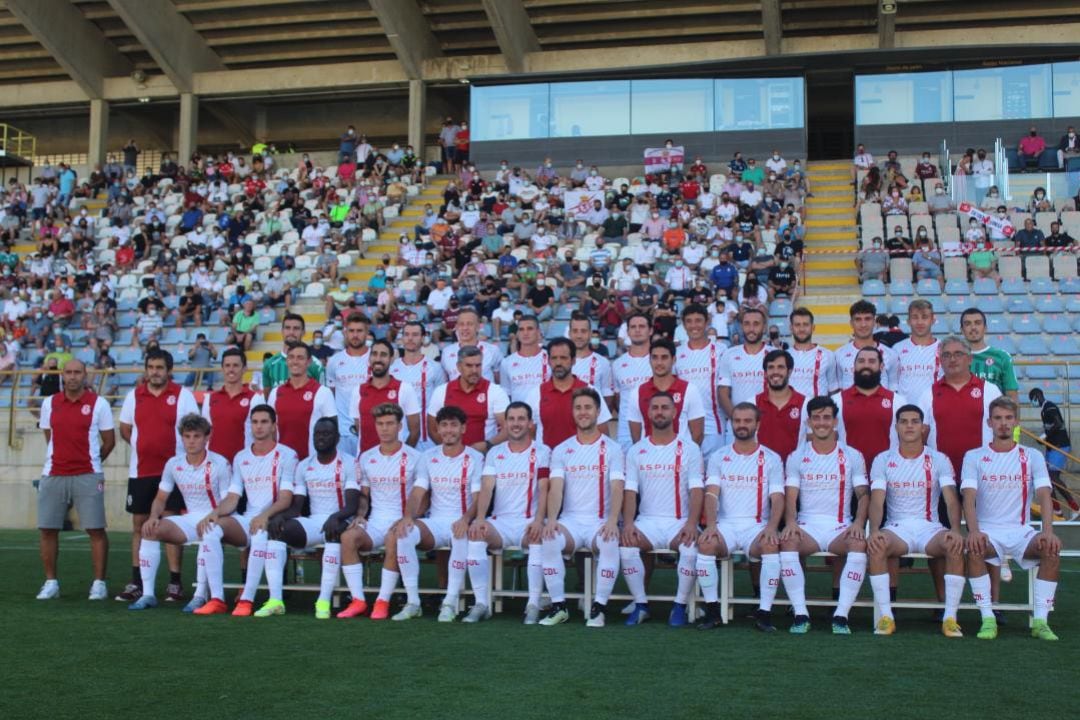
346,145
243,325
1058,239
1039,202
448,144
927,261
1029,240
872,262
1030,148
982,261
898,245
202,354
925,169
190,307
894,203
100,329
982,170
1068,147
862,162
914,195
939,202
783,281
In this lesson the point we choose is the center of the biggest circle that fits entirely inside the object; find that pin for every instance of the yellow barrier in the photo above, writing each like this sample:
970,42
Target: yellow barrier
17,143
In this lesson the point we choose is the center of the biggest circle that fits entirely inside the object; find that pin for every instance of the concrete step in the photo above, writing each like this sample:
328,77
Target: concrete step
832,210
829,165
814,203
831,223
832,281
828,263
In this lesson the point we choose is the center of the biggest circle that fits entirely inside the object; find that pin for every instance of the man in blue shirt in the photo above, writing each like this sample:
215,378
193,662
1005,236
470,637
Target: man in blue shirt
724,275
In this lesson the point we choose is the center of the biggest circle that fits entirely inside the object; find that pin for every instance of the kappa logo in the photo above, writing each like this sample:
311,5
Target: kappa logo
372,461
308,395
482,397
569,451
171,400
244,402
642,451
893,465
85,410
976,393
794,413
179,468
245,462
806,460
886,403
727,458
986,459
500,457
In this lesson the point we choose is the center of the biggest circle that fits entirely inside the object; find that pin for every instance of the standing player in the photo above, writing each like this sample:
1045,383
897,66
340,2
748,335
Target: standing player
516,476
386,475
907,482
263,472
345,370
815,366
414,368
918,364
275,371
300,402
584,501
382,387
482,401
698,362
690,413
863,315
742,367
201,477
989,363
149,423
552,402
467,333
779,406
629,370
450,475
228,408
664,483
867,409
528,367
744,486
590,367
998,482
821,477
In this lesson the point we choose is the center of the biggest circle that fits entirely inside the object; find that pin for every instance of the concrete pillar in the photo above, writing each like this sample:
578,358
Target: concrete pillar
260,123
99,132
417,109
187,142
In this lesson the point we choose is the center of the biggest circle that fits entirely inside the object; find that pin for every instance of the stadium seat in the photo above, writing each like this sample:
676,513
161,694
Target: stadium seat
1013,286
781,307
997,324
928,288
1041,285
957,286
985,286
901,287
898,305
874,288
943,325
1019,304
1026,324
1064,265
1037,266
1065,344
1049,304
1043,372
958,303
1004,342
1032,346
1069,286
900,270
991,305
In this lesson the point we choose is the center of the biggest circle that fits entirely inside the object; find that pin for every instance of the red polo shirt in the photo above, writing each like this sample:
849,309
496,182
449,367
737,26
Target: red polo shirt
370,397
75,425
868,420
294,407
153,439
556,412
645,394
778,428
959,416
476,409
228,416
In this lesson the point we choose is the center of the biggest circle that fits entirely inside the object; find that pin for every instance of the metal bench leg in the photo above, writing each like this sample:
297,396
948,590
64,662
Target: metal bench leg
727,590
497,580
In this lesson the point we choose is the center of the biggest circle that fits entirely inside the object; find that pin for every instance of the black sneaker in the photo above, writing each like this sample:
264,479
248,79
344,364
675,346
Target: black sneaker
713,617
763,621
1000,617
596,615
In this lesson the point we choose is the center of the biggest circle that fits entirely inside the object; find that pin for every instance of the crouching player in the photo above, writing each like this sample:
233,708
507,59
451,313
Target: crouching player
905,485
201,477
663,481
516,476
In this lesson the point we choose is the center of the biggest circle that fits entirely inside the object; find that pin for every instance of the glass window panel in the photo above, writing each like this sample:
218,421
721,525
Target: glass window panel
1067,89
1010,93
583,109
903,98
509,112
758,103
663,106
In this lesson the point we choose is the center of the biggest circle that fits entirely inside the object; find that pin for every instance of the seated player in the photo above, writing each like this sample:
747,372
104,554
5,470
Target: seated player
386,474
821,477
744,488
663,482
997,482
264,473
906,483
201,476
516,477
584,500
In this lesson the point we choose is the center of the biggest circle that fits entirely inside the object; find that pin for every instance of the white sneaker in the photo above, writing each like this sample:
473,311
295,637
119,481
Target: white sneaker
629,608
532,615
98,591
49,591
447,613
477,612
596,616
408,613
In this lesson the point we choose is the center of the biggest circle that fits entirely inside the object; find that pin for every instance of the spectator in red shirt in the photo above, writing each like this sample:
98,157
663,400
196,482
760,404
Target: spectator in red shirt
461,144
61,308
1030,148
690,190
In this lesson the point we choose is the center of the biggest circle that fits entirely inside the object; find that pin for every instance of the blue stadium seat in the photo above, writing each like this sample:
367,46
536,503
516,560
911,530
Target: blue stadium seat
217,334
1013,286
928,287
1042,285
901,287
1069,286
1049,304
1033,346
1019,304
1054,390
783,324
171,302
86,355
873,288
127,356
1043,372
267,315
1026,324
173,336
781,307
937,302
958,303
899,305
943,325
1056,324
1076,324
125,319
564,310
990,304
1065,345
557,328
997,324
1003,342
1072,304
985,286
125,304
957,287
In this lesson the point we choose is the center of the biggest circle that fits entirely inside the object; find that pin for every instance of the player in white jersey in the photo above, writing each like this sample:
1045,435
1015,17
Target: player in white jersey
629,370
590,367
450,475
525,369
467,329
516,475
584,501
998,482
202,477
414,368
918,361
385,475
863,314
345,370
664,482
907,483
815,366
744,488
698,362
689,409
264,472
820,479
742,367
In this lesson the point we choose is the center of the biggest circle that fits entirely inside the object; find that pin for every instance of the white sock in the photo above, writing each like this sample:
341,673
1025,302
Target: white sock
791,574
354,579
607,568
554,568
880,585
331,562
534,571
770,580
256,561
409,565
1044,597
705,568
687,573
388,581
277,554
455,575
633,571
954,589
479,571
980,590
200,582
211,559
850,581
149,559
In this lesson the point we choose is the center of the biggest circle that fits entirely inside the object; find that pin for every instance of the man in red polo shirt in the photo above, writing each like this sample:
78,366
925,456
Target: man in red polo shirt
689,409
382,387
149,422
78,427
780,405
228,407
552,401
483,402
300,402
867,416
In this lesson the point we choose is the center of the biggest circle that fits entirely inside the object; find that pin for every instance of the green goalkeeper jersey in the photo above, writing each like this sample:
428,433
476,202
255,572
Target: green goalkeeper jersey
275,372
995,366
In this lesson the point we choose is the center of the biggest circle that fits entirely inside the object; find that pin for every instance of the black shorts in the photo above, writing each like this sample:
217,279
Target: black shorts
142,491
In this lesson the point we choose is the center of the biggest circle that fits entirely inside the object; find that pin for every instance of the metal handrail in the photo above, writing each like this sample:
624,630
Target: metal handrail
17,142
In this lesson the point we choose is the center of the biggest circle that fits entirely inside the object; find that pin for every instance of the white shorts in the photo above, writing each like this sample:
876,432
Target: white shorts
245,522
915,532
440,529
738,536
1011,541
823,532
377,528
582,529
659,530
187,523
313,526
510,529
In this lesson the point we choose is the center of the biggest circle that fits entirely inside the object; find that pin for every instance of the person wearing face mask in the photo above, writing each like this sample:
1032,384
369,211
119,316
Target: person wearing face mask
1029,149
927,261
679,278
1068,148
1039,202
997,232
872,262
894,203
776,164
783,281
982,169
939,201
925,170
595,181
615,227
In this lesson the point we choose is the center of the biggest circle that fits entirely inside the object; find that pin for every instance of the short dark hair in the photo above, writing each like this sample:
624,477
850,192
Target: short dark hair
561,341
871,348
530,318
265,408
748,406
588,392
517,404
469,351
662,394
821,402
357,317
774,355
754,311
910,408
862,307
159,354
451,412
385,343
293,316
194,422
417,324
801,312
384,409
663,343
235,352
294,344
695,309
972,311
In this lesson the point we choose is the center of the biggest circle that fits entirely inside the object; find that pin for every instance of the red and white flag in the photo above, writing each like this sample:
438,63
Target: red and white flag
1002,225
660,159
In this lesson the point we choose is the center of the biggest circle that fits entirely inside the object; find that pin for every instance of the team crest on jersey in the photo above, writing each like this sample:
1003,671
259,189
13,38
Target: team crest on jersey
171,400
677,397
794,413
392,394
989,362
482,397
308,395
244,402
85,409
976,393
886,403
